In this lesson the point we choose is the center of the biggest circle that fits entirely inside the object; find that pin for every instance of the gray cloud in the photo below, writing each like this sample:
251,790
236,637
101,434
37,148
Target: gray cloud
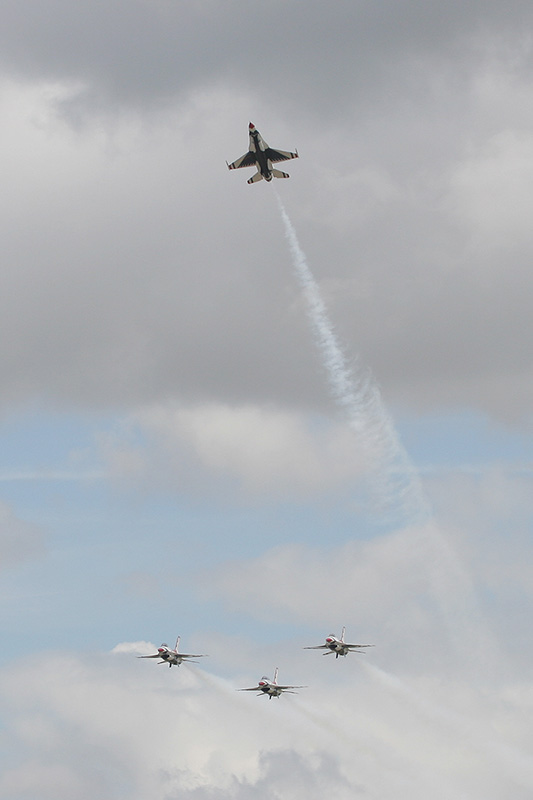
134,52
136,269
286,772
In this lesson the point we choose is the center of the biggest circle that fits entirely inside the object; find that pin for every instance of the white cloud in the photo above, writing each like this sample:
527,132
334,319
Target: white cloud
116,726
133,647
257,450
409,586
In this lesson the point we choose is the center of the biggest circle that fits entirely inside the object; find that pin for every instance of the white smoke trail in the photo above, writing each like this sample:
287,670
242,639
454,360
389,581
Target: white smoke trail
395,481
518,763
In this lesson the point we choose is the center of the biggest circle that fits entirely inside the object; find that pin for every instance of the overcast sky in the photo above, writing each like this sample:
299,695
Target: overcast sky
179,455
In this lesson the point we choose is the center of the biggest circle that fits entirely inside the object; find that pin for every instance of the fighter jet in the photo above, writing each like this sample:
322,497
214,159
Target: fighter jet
338,646
262,156
269,688
172,657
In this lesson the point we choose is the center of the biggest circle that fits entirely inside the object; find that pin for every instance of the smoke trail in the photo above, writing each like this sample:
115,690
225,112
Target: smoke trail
394,482
517,762
328,726
396,485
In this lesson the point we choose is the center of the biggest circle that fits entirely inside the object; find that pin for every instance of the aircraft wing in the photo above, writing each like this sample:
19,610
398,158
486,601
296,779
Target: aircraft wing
155,655
247,160
317,647
279,155
252,689
284,688
192,655
358,645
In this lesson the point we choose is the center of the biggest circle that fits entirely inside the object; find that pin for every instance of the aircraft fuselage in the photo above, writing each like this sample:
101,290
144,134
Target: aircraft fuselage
337,647
264,165
170,658
271,691
269,688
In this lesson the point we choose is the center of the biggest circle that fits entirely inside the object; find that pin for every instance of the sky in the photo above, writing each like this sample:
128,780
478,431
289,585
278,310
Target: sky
252,415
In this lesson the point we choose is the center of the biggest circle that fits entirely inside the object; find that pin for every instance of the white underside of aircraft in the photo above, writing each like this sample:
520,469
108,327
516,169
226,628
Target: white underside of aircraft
338,646
271,688
173,657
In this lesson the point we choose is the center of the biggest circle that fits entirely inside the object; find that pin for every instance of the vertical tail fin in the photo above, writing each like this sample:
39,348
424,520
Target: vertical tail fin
177,643
276,675
342,635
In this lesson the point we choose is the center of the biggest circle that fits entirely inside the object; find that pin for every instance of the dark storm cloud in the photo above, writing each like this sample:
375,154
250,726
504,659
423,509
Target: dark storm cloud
136,269
299,54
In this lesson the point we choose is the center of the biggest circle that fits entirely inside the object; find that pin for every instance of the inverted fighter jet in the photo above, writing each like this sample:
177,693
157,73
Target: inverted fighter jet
262,156
337,646
172,657
271,688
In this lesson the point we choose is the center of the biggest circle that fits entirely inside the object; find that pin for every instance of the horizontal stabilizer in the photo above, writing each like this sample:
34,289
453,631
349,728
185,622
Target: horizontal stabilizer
277,173
255,178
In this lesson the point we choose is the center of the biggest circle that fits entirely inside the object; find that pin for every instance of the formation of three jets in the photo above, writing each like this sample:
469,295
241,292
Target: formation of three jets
265,687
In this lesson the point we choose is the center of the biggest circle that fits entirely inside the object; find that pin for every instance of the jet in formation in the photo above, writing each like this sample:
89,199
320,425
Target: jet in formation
173,657
262,156
271,689
338,646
